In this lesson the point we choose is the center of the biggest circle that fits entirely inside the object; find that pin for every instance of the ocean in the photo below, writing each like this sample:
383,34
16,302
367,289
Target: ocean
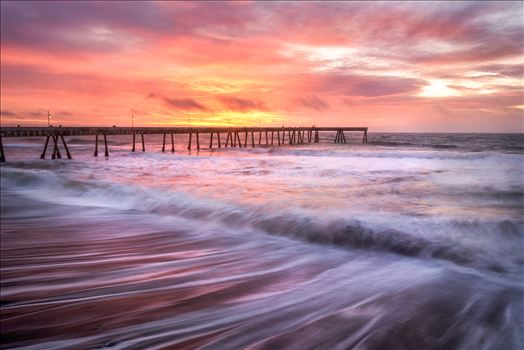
411,241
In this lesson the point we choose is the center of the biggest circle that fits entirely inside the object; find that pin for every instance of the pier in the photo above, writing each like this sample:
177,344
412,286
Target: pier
234,136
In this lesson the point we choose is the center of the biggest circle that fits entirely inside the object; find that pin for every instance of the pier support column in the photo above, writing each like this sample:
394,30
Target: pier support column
172,143
190,137
218,139
252,139
267,141
260,138
272,137
56,151
143,143
317,138
227,138
65,147
237,135
133,149
278,137
96,146
2,154
107,149
245,140
198,142
42,156
365,137
164,143
211,140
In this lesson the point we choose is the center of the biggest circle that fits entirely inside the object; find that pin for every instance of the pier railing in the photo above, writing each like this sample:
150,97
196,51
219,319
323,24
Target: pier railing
235,136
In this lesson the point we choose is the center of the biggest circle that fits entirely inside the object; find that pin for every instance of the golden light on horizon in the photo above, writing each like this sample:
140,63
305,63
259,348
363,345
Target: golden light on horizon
438,88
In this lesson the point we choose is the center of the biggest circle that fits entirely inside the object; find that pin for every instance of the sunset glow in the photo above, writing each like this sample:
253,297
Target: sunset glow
450,66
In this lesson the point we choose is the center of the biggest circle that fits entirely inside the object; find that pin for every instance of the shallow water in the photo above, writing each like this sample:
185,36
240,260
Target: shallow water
410,241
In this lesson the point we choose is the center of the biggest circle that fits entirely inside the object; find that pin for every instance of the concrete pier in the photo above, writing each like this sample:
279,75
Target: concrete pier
296,135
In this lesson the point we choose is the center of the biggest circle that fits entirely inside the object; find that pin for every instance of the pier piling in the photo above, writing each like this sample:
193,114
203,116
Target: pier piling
42,156
107,149
65,147
2,154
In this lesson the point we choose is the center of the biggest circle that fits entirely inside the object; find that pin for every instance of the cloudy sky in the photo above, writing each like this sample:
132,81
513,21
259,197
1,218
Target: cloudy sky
391,66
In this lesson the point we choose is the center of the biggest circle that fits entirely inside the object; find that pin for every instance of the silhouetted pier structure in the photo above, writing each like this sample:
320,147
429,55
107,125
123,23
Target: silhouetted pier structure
235,136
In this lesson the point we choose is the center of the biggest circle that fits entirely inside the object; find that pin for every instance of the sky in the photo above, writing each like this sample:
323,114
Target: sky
390,66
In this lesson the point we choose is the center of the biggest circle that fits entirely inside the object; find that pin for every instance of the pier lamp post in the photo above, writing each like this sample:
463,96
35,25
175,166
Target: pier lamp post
132,120
48,119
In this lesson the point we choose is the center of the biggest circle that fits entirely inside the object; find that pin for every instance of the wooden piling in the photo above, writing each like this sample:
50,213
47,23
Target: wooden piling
96,146
2,154
172,143
107,149
272,137
56,151
278,137
133,149
245,140
189,145
260,138
227,139
211,140
65,147
252,139
218,138
198,141
42,156
164,143
238,139
267,141
143,142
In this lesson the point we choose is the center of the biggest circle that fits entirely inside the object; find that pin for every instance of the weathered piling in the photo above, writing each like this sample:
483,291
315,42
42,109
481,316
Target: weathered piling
2,154
42,156
107,149
65,147
96,146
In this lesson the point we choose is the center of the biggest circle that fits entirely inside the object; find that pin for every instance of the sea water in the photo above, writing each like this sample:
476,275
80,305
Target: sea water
411,241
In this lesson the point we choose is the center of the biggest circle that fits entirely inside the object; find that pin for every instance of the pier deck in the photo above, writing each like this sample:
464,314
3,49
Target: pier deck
295,135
